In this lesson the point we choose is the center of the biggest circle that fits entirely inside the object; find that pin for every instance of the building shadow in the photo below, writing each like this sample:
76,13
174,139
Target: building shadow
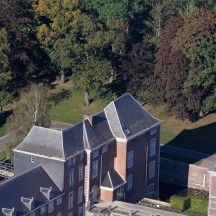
4,116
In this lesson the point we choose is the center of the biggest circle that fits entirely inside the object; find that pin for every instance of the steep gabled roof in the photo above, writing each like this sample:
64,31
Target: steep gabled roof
26,185
112,180
126,117
98,132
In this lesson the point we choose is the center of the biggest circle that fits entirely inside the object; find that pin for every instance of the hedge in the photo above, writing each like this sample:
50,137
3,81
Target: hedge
181,203
199,203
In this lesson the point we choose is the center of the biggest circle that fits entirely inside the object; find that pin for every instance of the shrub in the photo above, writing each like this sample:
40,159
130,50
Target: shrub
199,203
181,203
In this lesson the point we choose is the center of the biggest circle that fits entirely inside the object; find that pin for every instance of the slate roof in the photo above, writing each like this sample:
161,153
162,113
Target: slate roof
26,185
122,118
126,117
112,179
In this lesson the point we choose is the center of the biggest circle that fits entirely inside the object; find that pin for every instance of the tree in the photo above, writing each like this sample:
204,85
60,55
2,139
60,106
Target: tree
32,109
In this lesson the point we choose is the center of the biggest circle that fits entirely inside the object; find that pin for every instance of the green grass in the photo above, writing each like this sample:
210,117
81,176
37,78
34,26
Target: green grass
181,159
3,130
3,155
72,110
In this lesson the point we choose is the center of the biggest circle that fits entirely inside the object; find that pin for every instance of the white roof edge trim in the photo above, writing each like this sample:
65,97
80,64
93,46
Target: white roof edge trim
39,155
110,179
62,142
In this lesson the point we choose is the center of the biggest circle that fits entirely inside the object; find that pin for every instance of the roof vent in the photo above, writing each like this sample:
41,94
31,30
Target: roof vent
127,131
7,212
90,118
46,192
28,202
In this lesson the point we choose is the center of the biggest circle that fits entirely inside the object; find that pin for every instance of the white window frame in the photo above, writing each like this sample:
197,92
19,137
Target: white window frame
150,189
32,159
81,169
153,131
70,199
94,169
42,210
152,148
71,178
130,158
104,148
80,194
95,153
59,201
50,207
152,169
129,182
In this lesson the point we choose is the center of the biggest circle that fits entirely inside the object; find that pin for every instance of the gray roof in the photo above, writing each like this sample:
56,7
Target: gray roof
127,117
26,185
97,133
112,179
122,118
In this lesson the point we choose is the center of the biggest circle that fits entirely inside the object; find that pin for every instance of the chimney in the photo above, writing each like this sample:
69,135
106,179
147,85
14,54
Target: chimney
28,202
89,117
8,212
46,192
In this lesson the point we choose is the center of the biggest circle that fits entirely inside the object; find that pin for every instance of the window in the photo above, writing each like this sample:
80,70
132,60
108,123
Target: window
129,182
59,214
80,211
130,159
69,162
42,209
104,148
127,131
81,172
74,160
153,131
50,207
152,147
70,200
32,160
150,189
32,213
95,169
80,194
71,178
95,153
151,169
59,201
70,214
81,155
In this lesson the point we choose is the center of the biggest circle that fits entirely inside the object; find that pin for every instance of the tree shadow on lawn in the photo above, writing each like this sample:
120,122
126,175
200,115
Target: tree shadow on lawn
4,116
201,139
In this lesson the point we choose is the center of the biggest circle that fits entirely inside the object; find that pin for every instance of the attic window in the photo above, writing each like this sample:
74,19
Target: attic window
127,131
46,192
8,212
32,160
27,202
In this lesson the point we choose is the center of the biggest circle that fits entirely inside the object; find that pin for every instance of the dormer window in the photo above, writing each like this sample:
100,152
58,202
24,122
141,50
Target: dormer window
46,192
127,131
8,212
153,131
28,202
32,160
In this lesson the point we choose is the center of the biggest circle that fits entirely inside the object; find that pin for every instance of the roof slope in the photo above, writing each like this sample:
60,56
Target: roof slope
127,117
112,179
26,185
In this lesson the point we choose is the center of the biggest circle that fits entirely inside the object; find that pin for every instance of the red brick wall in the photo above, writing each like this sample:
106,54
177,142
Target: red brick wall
106,195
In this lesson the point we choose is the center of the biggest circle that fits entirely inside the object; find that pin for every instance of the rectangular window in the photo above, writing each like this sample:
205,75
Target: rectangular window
59,201
150,189
81,172
153,131
32,160
94,169
80,194
74,160
130,159
50,207
151,169
95,153
71,178
80,211
104,148
42,209
70,200
152,147
129,182
81,156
